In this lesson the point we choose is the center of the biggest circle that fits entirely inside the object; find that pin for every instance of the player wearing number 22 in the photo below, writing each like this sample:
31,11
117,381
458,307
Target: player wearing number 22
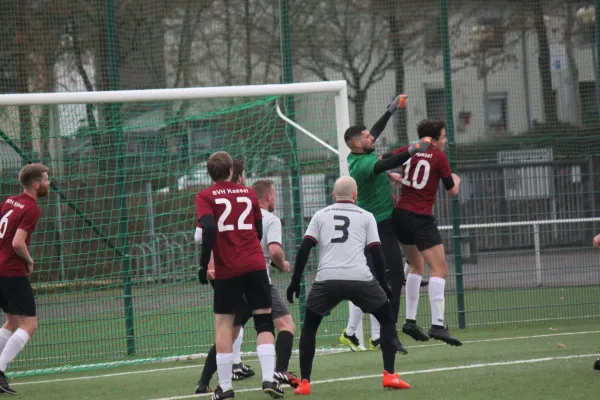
18,218
417,232
231,221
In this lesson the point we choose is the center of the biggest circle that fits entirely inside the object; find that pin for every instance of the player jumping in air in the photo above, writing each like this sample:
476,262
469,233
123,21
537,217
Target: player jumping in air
417,232
231,223
343,231
18,218
375,196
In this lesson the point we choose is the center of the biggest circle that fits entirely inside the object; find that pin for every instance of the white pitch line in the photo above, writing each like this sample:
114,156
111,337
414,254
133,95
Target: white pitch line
295,355
422,371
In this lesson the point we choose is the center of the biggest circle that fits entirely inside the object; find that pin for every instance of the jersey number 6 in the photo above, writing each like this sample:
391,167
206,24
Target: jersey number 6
4,223
241,225
343,227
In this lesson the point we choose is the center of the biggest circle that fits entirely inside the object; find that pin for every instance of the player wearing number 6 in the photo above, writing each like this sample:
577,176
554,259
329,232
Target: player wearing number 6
417,232
18,217
231,221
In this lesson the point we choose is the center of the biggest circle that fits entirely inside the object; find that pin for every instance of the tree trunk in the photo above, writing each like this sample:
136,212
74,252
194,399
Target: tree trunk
549,101
359,106
398,56
248,46
575,108
22,43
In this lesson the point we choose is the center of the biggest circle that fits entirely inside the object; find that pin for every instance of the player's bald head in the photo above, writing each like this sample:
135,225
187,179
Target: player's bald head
345,189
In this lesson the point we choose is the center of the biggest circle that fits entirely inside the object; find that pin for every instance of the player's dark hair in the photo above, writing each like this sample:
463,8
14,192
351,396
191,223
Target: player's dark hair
219,165
32,173
262,188
430,127
238,169
353,132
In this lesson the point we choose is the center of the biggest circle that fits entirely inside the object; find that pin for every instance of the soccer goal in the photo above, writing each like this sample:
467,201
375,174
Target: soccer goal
114,252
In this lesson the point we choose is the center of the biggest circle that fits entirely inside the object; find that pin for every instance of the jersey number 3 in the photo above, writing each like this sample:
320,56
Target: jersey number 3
341,227
422,164
4,223
241,225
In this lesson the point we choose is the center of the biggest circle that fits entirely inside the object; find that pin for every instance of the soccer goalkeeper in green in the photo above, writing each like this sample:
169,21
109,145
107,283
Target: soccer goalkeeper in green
375,196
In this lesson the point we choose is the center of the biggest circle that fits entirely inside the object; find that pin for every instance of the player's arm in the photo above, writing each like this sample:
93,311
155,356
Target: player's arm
373,245
450,181
308,242
19,242
274,239
20,247
257,216
206,222
399,156
381,123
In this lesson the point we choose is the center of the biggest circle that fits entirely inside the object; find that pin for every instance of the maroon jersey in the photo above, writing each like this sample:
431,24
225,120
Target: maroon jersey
420,180
236,248
16,212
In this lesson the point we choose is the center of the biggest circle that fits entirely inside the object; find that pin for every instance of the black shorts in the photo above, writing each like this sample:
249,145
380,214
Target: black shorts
278,309
325,295
416,229
16,296
254,285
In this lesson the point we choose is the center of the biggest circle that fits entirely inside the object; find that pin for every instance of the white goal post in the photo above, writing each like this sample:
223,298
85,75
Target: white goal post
337,88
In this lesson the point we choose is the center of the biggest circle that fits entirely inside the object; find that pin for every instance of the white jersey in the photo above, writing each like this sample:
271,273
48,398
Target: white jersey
271,225
343,231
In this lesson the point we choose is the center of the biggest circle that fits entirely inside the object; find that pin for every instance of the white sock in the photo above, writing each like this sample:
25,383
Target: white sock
237,347
266,356
375,328
356,315
224,366
13,347
5,334
436,299
413,286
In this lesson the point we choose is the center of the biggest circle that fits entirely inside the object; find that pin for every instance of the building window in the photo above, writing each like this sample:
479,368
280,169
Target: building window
496,112
435,103
589,110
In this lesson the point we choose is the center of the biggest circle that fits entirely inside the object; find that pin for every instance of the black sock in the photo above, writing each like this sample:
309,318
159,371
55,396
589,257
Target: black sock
411,321
308,339
210,366
283,350
388,336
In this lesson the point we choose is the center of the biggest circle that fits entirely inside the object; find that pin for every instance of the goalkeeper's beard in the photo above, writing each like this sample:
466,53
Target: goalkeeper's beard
369,150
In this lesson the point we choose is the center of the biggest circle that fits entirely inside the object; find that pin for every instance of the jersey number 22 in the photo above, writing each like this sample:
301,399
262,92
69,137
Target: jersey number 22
241,225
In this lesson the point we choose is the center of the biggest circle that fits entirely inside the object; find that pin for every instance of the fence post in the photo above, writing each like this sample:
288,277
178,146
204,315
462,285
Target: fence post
538,257
456,240
115,118
596,61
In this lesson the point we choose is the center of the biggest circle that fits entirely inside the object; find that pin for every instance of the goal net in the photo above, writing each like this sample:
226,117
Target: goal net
115,258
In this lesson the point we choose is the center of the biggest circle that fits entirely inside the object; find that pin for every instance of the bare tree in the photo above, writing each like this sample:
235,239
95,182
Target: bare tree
358,48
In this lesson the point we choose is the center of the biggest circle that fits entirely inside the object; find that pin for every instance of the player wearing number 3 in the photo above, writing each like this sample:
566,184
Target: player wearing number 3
18,217
417,232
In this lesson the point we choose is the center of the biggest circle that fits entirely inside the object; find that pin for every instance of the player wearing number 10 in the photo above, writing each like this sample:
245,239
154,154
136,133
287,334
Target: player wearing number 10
417,232
231,222
18,217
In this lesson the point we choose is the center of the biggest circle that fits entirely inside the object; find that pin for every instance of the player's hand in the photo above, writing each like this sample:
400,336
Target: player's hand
420,147
202,275
398,102
210,274
597,240
388,291
286,266
30,267
294,288
395,177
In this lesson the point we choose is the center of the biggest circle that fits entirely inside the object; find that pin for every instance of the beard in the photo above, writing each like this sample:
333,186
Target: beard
271,208
369,150
42,192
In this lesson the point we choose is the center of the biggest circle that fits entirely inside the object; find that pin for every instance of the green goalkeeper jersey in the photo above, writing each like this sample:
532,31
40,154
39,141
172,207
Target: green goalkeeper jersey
374,190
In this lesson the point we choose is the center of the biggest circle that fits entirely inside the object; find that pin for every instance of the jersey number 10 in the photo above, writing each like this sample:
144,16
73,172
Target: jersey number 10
415,176
241,225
